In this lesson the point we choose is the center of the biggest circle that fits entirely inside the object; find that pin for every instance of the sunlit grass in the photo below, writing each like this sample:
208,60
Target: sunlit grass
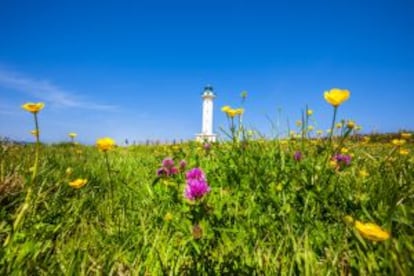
308,204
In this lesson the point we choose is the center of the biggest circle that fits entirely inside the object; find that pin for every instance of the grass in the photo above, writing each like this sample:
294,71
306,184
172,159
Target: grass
275,206
266,213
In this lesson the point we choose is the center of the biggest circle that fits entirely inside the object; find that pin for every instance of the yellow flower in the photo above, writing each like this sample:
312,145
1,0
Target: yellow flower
310,128
34,132
225,108
348,219
338,125
168,216
366,139
344,150
105,144
309,112
78,183
363,173
239,111
69,171
404,151
350,124
371,231
336,96
298,123
406,135
398,142
319,132
72,134
33,107
231,112
333,164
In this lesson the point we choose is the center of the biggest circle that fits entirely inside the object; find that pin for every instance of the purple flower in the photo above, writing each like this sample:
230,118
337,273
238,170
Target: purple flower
162,172
196,189
183,164
195,173
297,156
168,162
197,185
173,171
207,146
342,159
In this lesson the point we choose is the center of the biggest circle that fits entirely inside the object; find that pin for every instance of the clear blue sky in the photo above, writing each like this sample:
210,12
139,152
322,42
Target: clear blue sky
135,69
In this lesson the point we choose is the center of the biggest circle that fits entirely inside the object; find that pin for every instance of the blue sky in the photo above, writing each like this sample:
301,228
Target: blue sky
135,69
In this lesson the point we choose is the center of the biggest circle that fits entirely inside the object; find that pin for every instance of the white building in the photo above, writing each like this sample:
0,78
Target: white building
207,119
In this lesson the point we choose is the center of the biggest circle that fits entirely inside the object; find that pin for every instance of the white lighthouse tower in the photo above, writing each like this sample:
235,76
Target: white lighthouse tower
207,122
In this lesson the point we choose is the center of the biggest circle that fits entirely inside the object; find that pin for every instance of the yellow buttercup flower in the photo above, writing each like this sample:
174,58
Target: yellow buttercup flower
78,183
225,108
398,142
105,144
319,132
69,171
309,112
363,173
338,125
34,132
406,135
311,128
350,124
168,216
366,139
333,164
344,150
336,96
33,107
231,112
72,134
348,219
371,231
404,152
298,123
239,111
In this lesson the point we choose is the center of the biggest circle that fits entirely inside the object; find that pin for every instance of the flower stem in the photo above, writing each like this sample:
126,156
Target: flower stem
37,149
333,125
108,168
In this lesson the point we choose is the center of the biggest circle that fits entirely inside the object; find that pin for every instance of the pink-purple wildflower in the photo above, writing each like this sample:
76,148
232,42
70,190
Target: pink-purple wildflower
182,165
207,147
168,168
168,162
343,160
197,185
297,156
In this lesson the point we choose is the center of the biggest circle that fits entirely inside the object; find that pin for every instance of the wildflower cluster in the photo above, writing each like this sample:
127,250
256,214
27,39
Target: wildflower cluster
197,185
340,161
169,169
231,112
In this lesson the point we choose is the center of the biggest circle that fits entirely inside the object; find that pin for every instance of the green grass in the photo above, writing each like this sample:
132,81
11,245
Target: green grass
266,213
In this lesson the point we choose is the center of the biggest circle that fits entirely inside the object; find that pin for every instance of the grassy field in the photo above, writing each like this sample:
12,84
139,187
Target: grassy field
336,205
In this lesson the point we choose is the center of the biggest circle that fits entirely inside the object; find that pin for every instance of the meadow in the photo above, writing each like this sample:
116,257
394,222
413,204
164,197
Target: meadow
335,203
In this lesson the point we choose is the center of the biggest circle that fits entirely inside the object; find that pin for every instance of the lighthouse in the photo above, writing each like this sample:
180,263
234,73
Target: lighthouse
207,119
